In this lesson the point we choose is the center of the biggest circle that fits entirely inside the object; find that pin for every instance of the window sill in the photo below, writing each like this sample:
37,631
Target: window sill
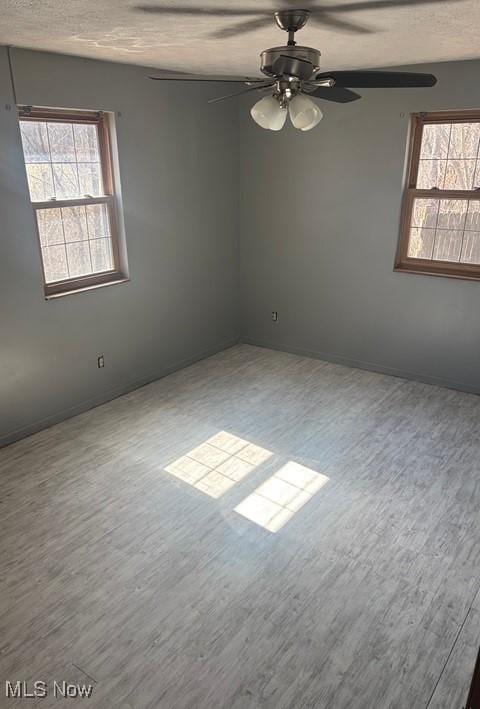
82,289
444,272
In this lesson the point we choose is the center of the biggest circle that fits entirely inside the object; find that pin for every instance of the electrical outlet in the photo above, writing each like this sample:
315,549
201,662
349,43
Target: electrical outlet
274,316
101,361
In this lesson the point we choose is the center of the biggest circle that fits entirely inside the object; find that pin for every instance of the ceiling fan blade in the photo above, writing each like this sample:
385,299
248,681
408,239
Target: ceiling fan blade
378,79
241,28
205,11
327,20
379,4
334,93
240,93
212,79
292,66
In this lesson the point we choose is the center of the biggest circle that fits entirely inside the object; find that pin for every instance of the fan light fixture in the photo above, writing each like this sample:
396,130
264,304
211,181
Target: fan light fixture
304,113
271,112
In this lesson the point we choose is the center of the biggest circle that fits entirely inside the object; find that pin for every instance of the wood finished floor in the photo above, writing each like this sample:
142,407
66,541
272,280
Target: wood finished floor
126,562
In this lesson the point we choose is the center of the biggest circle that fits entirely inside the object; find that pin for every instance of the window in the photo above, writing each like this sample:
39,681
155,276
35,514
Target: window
70,178
440,228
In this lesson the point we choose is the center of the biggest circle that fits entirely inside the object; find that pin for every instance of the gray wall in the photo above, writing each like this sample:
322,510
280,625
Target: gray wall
318,219
319,228
179,175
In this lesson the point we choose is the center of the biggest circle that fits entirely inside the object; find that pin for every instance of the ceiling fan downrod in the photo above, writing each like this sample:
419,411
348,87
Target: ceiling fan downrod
291,21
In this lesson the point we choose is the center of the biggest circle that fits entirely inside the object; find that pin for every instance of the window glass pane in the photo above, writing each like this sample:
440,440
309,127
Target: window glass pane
50,227
85,230
476,179
90,179
449,156
464,140
420,244
79,263
97,219
62,160
101,251
472,221
40,181
65,179
471,247
435,140
60,137
452,214
35,141
445,229
54,263
459,175
431,173
448,244
425,213
86,143
74,223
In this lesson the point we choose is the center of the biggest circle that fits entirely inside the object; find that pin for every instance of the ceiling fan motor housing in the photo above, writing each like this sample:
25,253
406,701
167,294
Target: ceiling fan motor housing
304,54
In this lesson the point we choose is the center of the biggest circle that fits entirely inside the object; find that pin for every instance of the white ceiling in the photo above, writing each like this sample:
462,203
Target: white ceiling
118,30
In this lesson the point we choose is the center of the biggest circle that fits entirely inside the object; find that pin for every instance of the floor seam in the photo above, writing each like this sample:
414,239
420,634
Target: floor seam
85,673
449,655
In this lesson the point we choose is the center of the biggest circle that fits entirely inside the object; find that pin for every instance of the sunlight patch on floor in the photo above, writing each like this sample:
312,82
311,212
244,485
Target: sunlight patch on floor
216,465
276,500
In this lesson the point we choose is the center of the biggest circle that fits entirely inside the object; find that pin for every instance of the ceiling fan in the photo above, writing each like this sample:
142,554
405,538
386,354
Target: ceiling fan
331,15
294,79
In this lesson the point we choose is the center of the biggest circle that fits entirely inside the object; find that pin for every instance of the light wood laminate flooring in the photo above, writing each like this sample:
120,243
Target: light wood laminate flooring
257,530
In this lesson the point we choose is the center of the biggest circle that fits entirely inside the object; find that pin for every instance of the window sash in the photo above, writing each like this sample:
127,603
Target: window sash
77,202
94,278
97,118
406,263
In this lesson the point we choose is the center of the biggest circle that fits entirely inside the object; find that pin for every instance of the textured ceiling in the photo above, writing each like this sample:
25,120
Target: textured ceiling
123,31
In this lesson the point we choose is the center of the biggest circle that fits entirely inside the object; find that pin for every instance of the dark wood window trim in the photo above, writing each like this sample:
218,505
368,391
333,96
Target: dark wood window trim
101,121
426,266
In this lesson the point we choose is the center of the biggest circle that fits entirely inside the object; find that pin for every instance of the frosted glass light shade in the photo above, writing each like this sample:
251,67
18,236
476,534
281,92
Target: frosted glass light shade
304,113
269,114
